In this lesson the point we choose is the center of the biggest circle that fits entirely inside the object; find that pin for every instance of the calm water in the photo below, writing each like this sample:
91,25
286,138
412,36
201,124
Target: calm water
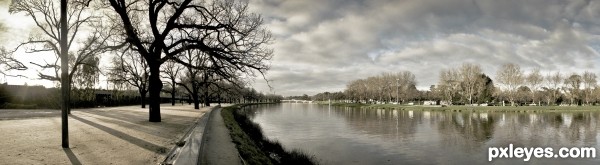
339,135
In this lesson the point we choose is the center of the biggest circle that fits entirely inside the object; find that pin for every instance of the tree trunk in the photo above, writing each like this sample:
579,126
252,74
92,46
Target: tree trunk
154,88
143,98
512,102
533,98
471,99
206,101
173,94
195,97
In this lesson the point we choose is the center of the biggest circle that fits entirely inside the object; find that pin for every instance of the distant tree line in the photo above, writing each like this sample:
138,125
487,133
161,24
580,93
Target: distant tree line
39,97
36,97
467,84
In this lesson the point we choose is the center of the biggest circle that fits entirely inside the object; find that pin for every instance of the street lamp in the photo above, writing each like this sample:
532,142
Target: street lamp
65,82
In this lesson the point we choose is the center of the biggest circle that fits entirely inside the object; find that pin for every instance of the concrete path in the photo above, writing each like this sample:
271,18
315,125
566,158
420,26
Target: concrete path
188,153
207,142
217,147
110,135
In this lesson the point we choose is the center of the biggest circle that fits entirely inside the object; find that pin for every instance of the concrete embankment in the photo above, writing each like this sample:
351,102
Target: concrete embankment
208,142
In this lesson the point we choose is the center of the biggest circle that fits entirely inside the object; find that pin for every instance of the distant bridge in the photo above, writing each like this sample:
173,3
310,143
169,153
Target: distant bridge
296,101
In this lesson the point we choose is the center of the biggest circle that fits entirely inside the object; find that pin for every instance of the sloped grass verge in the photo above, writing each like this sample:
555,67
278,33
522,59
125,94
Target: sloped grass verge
253,146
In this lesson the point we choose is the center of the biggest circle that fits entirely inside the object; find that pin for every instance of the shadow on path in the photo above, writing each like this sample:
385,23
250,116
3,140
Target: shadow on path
131,139
128,116
72,156
129,124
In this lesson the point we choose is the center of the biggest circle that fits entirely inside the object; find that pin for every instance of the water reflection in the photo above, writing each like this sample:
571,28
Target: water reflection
342,135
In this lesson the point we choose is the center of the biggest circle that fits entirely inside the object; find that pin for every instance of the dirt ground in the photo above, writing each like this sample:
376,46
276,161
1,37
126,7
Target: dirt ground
115,135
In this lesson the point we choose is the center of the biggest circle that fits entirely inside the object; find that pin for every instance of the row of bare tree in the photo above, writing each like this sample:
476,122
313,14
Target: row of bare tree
387,87
201,86
211,42
553,88
467,84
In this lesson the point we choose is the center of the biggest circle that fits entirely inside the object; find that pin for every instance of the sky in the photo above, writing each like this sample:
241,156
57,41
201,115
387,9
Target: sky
321,45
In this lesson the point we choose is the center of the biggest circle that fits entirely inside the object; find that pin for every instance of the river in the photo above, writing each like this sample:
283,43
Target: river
342,135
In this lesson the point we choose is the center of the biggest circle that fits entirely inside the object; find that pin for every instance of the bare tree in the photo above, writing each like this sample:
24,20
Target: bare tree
172,72
534,80
98,39
407,85
192,79
223,29
85,79
468,75
45,14
214,86
128,67
572,87
357,90
2,24
449,84
589,82
8,62
511,76
554,81
382,88
596,94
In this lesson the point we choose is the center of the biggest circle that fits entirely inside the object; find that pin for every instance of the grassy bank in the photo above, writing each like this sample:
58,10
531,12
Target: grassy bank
461,108
253,146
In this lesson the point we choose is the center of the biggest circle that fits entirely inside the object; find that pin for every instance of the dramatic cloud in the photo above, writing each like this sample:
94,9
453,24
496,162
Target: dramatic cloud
321,45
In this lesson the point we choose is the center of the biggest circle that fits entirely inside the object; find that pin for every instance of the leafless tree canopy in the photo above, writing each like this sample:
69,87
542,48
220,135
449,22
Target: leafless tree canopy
83,49
590,82
171,71
511,77
449,84
223,29
128,67
469,73
8,62
387,87
160,30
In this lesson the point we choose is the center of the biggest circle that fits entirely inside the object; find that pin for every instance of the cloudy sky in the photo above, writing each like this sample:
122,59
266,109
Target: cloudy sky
320,45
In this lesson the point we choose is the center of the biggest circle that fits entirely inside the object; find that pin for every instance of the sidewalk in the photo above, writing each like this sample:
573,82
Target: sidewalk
218,147
112,135
188,153
208,142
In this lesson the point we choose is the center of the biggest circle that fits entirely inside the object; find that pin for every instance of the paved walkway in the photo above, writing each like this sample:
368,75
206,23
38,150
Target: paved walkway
207,143
218,147
188,153
110,135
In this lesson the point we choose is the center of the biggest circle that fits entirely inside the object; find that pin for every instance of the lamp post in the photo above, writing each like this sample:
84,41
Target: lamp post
65,83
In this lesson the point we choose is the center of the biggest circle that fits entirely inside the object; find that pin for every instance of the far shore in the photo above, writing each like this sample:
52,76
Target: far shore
465,108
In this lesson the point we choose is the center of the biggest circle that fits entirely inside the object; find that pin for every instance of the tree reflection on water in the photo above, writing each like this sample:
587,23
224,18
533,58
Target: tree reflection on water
354,135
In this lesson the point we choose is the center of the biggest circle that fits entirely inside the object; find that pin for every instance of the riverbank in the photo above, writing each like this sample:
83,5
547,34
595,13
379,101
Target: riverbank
461,108
253,147
116,135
